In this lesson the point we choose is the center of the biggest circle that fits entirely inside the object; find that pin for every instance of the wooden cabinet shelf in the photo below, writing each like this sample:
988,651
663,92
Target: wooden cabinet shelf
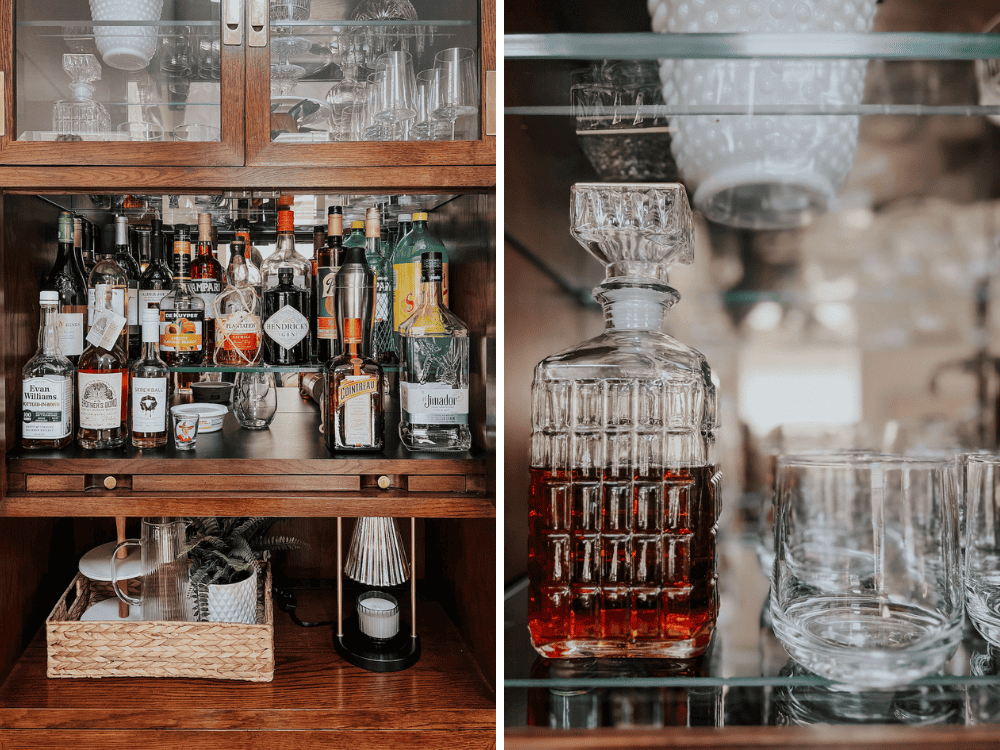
443,701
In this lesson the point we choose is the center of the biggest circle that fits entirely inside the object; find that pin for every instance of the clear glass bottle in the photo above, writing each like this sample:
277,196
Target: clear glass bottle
182,315
102,379
47,402
434,370
355,418
80,115
286,256
123,254
383,346
241,228
150,388
238,331
107,272
406,269
624,495
66,279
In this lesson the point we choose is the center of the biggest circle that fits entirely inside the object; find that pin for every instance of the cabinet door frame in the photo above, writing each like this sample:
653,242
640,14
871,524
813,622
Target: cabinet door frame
227,152
261,151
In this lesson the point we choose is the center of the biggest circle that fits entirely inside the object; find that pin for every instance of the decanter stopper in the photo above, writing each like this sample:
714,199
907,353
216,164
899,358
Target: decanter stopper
635,230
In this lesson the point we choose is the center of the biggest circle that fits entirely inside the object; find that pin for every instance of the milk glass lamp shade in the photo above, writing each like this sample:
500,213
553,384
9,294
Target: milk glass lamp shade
762,172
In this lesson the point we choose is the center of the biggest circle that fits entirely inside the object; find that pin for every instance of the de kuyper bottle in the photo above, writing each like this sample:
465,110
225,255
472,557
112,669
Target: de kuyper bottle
624,493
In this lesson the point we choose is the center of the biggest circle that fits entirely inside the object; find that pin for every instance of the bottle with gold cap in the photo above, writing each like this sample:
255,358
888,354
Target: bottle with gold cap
406,271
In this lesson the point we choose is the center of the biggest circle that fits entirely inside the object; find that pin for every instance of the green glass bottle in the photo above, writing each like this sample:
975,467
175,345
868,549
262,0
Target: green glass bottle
406,271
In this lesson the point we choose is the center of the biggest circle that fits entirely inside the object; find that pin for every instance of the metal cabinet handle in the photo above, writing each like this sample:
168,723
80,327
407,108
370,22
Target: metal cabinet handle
259,15
232,22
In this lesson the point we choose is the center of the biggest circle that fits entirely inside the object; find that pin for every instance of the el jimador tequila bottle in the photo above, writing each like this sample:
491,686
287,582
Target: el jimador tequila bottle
624,494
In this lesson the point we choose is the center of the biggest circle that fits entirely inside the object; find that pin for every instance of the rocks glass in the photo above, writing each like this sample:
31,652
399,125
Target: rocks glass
866,587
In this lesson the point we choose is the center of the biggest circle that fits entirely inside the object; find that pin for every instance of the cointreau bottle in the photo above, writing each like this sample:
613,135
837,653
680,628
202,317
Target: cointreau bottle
355,420
624,494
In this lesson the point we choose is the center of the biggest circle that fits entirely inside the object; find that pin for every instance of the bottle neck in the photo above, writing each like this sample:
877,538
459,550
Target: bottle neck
286,244
432,293
48,336
635,305
205,248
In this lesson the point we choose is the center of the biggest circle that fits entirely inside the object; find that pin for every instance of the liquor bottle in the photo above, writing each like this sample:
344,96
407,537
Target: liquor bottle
354,419
150,388
89,254
404,225
327,265
383,348
102,379
356,237
238,332
241,228
47,402
156,280
319,242
286,325
434,370
67,281
623,499
79,240
123,254
144,250
108,273
286,256
182,315
206,278
406,269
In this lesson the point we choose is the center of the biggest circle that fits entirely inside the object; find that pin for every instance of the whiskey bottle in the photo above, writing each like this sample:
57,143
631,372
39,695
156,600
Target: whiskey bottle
238,333
150,388
623,499
156,280
47,385
66,279
87,247
327,265
123,254
434,370
286,325
109,274
182,315
406,270
383,347
102,380
354,418
206,277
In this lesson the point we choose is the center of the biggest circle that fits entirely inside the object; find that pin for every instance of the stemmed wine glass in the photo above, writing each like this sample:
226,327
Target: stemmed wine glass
459,92
395,105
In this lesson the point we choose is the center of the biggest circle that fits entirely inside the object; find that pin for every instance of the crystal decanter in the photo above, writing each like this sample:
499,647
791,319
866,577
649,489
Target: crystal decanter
80,115
624,494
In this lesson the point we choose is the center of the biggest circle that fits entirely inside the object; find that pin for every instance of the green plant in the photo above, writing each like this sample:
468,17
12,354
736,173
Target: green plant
228,550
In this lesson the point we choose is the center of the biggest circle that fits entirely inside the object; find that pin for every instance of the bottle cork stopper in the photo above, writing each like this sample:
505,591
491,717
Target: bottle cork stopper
372,223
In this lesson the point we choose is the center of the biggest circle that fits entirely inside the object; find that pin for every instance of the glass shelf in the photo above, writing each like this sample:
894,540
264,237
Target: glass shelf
745,678
745,46
256,368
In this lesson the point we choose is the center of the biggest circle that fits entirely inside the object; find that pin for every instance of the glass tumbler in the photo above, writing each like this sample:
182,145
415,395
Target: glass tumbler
255,400
982,544
866,586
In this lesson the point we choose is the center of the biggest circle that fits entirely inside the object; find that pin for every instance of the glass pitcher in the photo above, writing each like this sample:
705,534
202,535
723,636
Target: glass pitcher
164,566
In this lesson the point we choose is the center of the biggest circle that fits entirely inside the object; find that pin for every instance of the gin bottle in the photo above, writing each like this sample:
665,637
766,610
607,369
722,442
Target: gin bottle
47,385
434,371
624,494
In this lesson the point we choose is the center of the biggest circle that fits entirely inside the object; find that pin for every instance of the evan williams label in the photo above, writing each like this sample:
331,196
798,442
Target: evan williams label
287,327
46,406
357,386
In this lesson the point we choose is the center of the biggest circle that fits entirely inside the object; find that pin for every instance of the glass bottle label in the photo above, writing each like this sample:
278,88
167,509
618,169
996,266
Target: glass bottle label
207,290
287,326
149,404
105,328
46,406
117,302
326,317
405,281
433,403
69,328
151,298
238,331
298,280
354,396
100,400
181,330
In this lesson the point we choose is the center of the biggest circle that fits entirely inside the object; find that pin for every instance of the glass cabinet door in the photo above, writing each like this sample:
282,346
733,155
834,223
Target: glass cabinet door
339,81
123,82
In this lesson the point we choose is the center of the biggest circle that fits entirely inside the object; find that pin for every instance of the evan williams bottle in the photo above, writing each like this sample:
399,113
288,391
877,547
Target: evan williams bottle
354,420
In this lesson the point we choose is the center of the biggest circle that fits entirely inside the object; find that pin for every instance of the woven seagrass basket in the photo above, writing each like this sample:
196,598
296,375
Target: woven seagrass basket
210,650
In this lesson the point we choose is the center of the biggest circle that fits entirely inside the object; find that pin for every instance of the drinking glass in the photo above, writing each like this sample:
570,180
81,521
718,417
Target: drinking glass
866,586
255,400
427,101
375,129
164,570
141,131
197,132
982,543
396,101
185,429
459,84
349,126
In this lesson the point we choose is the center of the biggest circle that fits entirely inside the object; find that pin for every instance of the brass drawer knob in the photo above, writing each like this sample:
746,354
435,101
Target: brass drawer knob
384,482
110,482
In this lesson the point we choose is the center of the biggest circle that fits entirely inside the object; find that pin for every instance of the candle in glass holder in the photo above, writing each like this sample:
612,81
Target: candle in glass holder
378,615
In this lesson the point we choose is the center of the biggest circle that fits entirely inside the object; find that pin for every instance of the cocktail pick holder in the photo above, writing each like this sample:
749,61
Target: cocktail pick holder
375,636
